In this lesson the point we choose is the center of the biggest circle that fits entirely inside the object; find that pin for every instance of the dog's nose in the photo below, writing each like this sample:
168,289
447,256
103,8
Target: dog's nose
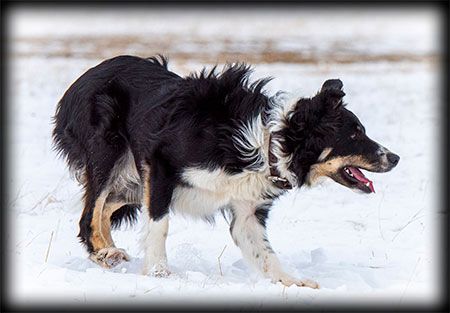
393,158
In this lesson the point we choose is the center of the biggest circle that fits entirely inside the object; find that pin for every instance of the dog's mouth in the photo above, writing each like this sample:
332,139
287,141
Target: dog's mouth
356,179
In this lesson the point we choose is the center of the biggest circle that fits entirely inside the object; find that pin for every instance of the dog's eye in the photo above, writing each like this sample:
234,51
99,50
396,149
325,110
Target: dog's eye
361,129
358,132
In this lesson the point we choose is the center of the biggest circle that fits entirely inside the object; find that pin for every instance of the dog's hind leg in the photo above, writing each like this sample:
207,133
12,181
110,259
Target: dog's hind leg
248,231
105,253
125,191
95,222
157,194
95,229
94,201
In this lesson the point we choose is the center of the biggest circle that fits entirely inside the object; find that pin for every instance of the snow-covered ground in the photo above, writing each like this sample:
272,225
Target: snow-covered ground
378,248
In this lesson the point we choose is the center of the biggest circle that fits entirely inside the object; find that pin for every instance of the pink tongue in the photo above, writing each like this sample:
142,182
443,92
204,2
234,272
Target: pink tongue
360,176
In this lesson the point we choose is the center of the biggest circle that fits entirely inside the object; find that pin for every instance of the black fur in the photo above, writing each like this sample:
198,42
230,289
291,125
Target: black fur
262,213
127,214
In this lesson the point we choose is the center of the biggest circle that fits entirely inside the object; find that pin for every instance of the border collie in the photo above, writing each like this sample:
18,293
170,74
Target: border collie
137,135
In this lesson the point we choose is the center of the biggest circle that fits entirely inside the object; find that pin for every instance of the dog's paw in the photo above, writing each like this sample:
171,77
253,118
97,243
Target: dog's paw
109,257
289,281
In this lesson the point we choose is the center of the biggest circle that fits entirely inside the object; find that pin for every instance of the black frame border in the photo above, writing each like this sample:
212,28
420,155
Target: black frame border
442,6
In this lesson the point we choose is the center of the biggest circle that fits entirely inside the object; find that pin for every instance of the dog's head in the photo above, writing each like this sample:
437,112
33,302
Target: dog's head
325,139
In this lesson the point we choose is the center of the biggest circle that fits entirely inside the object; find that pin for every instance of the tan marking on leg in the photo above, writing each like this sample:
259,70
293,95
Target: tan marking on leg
105,225
98,240
105,253
146,189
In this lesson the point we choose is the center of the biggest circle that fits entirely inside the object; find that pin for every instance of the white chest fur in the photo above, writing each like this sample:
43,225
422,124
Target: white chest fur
212,190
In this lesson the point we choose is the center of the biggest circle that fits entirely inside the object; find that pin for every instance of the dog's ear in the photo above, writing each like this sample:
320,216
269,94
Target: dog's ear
335,84
310,112
331,92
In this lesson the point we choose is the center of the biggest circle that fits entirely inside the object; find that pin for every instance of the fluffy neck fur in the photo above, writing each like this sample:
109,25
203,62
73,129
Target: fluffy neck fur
252,139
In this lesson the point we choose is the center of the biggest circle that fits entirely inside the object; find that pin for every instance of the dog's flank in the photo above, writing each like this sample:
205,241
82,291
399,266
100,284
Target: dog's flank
140,137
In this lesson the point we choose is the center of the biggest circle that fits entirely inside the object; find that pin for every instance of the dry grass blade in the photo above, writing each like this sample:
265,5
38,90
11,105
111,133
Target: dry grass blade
410,279
218,259
49,246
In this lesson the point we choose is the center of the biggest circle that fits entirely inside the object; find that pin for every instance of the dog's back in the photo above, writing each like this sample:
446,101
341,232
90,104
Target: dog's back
96,105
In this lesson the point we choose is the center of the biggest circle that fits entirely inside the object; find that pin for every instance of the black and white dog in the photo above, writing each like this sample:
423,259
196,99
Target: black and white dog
138,135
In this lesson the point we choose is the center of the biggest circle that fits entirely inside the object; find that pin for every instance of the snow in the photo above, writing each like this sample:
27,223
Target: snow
378,248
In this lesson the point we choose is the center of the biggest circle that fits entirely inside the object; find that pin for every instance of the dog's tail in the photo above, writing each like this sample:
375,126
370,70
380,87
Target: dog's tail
83,121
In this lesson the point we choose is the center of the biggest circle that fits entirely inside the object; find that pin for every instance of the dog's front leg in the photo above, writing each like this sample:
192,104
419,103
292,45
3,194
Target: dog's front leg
249,233
154,244
157,193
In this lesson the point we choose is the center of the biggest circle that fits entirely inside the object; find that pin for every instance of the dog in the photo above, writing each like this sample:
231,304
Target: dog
138,136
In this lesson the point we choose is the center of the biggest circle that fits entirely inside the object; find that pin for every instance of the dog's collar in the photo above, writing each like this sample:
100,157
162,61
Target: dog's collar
275,175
